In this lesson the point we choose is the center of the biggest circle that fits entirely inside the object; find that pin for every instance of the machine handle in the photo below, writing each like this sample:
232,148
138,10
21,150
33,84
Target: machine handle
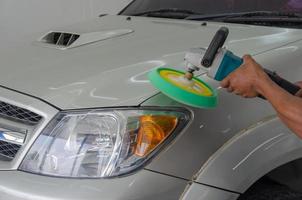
216,43
285,84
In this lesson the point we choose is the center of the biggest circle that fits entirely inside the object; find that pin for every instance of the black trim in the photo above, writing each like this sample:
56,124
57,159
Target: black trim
150,170
154,95
120,13
219,188
226,190
101,108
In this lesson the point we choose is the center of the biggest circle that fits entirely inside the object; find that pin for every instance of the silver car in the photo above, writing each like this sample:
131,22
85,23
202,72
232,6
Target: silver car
79,118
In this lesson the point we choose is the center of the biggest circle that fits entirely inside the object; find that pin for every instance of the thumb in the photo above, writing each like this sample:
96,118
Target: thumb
247,58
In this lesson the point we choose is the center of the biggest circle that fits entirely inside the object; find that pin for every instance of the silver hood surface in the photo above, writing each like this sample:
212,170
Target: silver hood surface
112,72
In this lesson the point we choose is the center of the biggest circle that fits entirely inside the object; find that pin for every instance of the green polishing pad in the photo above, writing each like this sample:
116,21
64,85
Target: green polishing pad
193,92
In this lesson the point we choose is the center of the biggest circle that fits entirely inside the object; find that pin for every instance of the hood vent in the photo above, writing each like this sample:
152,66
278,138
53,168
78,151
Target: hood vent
66,40
60,39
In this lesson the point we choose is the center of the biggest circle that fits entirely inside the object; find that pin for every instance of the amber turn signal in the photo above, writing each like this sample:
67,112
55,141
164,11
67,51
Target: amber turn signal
153,131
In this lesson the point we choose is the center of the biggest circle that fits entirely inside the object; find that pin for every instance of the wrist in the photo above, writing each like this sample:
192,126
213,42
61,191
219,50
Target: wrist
261,82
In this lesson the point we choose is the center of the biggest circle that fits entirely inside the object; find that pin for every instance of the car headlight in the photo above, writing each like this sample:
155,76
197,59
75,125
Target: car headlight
102,143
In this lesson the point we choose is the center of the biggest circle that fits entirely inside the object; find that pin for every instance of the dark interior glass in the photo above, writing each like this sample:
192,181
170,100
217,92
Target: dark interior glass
215,6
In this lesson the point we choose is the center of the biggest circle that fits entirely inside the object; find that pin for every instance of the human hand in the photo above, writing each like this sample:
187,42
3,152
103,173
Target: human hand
299,93
244,81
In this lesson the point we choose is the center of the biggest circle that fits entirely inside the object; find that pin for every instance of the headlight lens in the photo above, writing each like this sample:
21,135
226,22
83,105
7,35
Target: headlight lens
101,143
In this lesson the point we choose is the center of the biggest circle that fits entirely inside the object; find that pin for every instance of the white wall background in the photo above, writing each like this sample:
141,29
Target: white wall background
25,16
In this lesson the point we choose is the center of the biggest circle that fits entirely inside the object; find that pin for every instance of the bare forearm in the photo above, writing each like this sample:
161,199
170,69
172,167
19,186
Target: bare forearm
288,107
292,125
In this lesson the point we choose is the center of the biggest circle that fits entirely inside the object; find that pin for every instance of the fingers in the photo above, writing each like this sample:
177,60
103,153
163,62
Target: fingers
229,83
299,84
299,93
247,58
230,89
225,83
242,80
237,92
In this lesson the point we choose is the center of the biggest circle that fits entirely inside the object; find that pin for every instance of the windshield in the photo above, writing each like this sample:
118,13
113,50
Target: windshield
214,6
278,13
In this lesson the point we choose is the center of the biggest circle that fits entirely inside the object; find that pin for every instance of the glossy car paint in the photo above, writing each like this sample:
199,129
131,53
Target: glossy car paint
142,185
201,192
113,73
121,62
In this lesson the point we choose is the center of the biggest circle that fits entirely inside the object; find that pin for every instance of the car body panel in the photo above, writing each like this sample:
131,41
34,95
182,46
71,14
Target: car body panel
143,185
113,72
203,192
205,139
250,155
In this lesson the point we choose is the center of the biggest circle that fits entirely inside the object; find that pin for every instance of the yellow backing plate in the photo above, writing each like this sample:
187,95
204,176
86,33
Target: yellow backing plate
194,86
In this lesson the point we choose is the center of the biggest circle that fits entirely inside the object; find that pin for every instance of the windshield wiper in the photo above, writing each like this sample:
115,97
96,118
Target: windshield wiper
168,13
250,15
260,18
265,20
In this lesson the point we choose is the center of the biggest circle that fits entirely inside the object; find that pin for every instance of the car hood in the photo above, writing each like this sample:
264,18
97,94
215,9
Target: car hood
112,71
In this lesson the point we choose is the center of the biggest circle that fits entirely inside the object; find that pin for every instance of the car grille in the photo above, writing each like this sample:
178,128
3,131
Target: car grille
8,150
23,121
18,114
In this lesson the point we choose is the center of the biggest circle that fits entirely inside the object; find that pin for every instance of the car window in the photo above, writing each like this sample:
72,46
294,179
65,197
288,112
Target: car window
215,6
277,13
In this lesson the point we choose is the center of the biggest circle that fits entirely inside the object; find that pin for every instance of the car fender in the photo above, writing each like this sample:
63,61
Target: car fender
249,155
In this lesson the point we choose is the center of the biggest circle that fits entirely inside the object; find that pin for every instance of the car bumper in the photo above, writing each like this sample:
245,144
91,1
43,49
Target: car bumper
17,185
